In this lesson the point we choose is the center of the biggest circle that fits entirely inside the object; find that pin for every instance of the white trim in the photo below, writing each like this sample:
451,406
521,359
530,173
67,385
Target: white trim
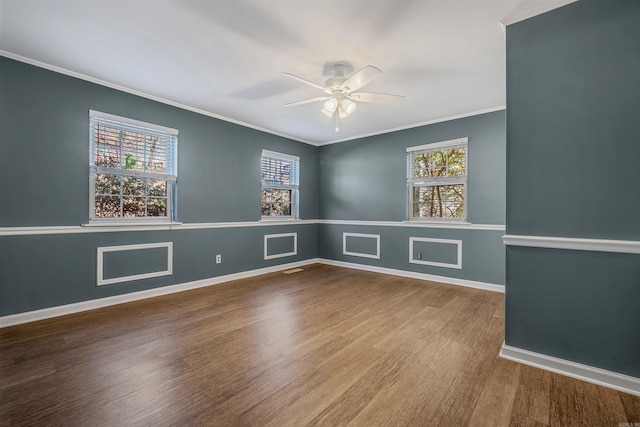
160,226
164,226
240,224
47,313
100,262
133,122
416,125
535,10
276,236
599,245
590,374
417,223
358,254
458,243
146,95
413,275
127,222
439,144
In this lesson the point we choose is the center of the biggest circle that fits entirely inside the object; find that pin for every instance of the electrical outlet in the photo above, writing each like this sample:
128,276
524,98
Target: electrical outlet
218,259
419,255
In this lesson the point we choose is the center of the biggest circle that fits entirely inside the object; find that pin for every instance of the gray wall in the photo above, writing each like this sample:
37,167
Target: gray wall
44,155
44,117
365,180
572,155
44,170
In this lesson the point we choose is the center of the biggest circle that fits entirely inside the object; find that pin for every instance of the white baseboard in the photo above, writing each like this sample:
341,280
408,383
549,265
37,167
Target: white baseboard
619,382
46,313
411,274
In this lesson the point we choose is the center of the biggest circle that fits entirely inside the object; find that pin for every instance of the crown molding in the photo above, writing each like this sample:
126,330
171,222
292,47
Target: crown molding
131,91
416,125
536,10
128,90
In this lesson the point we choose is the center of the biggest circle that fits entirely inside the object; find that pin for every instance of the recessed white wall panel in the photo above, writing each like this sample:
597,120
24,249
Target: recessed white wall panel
436,242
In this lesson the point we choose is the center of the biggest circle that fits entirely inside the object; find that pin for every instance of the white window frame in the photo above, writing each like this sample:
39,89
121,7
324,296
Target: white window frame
171,178
413,182
294,186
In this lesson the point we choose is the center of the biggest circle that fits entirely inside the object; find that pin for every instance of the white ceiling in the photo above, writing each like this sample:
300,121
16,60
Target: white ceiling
225,57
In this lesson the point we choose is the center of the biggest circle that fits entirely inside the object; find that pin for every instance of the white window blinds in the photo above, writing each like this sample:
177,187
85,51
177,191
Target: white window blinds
133,169
280,170
125,147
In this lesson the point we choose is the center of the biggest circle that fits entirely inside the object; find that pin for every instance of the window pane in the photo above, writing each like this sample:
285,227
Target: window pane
107,157
133,150
271,195
456,162
133,186
133,206
156,154
156,207
437,163
455,209
282,208
419,166
107,184
438,201
157,188
276,202
107,206
267,195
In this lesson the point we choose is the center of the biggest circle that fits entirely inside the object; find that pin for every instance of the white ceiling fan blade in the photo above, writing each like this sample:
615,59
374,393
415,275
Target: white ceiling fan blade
307,101
378,98
361,78
307,82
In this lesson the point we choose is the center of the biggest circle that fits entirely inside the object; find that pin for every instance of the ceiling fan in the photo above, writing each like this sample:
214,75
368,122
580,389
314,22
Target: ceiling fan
341,96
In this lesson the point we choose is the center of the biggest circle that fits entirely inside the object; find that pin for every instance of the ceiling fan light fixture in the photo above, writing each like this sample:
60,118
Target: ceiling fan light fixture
348,106
331,104
327,112
342,113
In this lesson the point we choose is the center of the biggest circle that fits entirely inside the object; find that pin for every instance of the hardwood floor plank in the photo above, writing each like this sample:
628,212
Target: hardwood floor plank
531,406
326,346
496,400
577,403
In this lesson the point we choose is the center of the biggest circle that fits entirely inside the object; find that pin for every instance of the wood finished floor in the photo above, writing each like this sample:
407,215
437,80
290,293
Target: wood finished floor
327,346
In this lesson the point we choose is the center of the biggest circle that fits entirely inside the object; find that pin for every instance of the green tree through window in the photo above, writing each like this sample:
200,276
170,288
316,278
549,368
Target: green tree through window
437,181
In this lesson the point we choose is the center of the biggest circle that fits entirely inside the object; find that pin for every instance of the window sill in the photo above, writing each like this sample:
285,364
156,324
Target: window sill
131,224
433,221
275,219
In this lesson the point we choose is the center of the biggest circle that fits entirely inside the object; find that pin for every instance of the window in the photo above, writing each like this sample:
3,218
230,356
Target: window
133,169
279,185
437,180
